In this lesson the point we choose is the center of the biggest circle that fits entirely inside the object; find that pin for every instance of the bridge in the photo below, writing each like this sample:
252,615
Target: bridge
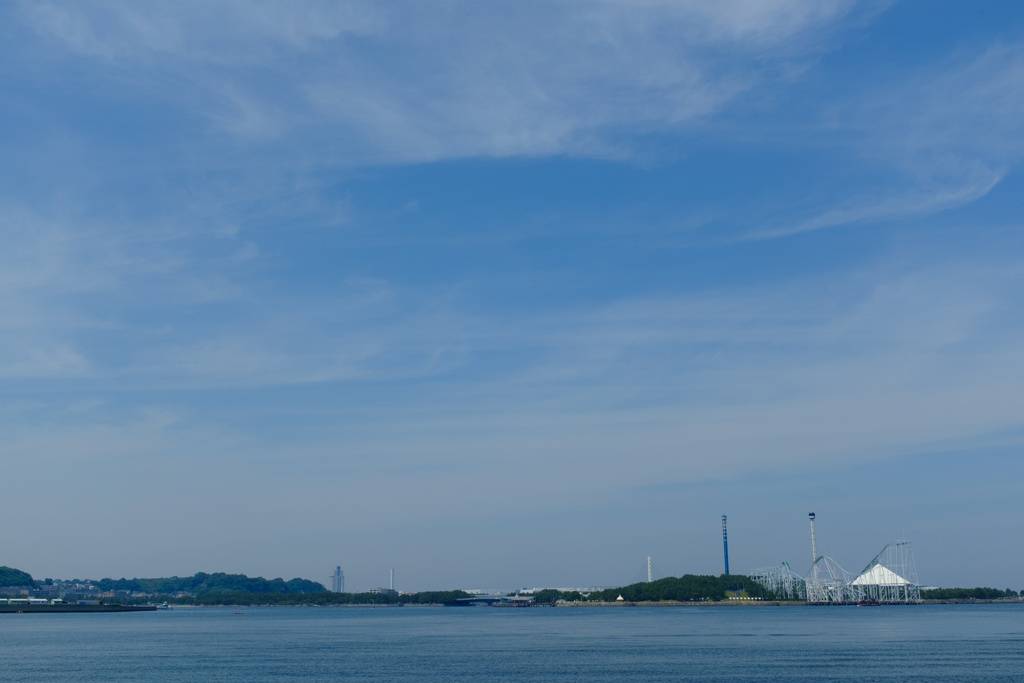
492,600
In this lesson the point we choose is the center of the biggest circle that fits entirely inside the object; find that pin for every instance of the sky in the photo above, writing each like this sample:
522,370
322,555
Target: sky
510,294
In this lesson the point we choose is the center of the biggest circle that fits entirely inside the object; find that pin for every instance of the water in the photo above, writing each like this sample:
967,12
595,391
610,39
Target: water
925,643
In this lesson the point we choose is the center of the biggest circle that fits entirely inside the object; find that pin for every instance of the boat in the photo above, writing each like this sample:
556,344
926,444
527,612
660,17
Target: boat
163,606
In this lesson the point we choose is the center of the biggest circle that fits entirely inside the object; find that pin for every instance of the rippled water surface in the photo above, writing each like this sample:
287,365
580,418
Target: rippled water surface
926,643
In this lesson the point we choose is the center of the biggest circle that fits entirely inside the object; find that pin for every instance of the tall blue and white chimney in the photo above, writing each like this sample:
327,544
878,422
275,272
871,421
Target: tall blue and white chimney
725,544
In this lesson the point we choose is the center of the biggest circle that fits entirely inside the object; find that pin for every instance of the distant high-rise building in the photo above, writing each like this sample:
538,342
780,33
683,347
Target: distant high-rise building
338,581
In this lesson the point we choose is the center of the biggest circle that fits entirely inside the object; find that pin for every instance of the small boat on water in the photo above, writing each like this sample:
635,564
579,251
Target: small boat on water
239,612
163,606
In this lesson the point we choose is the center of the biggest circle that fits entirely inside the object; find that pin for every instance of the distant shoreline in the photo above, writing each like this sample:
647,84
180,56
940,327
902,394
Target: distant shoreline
772,603
664,603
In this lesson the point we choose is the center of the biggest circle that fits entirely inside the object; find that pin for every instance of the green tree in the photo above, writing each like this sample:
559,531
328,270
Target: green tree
15,577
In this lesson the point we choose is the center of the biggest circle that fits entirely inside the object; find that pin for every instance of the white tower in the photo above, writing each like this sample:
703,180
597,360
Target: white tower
814,549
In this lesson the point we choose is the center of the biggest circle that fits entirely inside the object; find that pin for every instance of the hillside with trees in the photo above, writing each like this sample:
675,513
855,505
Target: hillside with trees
15,577
686,588
215,584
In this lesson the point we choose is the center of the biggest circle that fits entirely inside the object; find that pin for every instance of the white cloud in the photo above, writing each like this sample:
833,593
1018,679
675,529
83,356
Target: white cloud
823,371
950,136
970,185
40,361
970,113
415,82
876,362
224,31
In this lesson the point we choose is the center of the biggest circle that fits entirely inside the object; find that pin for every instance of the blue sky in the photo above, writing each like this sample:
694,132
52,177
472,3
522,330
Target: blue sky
510,293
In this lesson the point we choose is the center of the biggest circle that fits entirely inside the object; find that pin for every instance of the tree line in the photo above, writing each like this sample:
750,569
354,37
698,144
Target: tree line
205,584
239,589
320,598
686,588
969,594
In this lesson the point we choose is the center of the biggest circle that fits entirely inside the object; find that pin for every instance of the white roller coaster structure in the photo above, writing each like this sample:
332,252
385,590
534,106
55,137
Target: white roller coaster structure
889,579
781,580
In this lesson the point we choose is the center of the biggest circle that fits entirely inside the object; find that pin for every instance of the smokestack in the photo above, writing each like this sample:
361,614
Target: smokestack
814,548
725,544
392,579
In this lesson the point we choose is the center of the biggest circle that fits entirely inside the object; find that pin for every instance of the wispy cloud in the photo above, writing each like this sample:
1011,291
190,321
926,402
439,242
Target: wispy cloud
409,82
884,359
944,139
820,375
915,201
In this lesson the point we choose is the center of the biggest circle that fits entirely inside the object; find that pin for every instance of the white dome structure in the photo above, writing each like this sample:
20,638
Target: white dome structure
879,575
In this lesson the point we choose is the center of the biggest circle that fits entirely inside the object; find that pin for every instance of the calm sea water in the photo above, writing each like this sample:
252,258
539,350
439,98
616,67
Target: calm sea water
925,643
